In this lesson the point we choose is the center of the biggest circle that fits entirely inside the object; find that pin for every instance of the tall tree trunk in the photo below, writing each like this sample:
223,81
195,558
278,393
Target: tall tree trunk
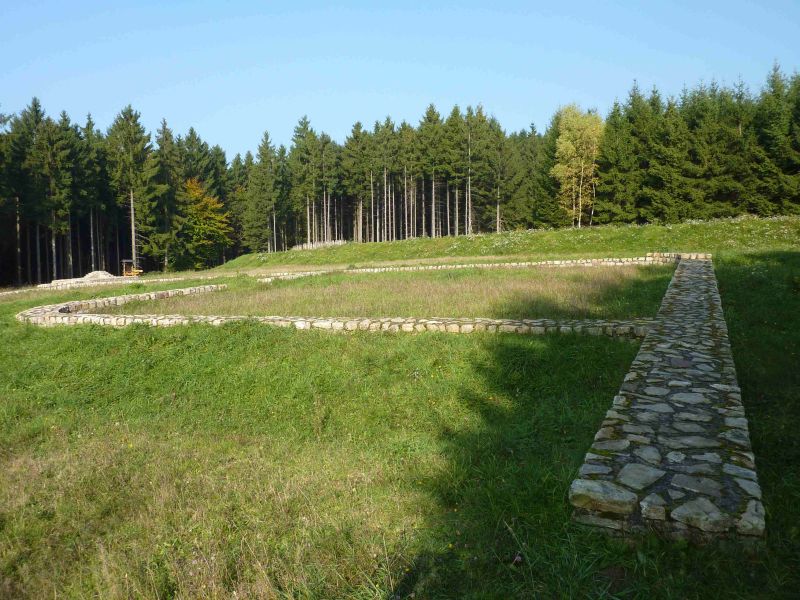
133,235
405,202
28,274
433,203
308,223
371,208
468,211
91,239
118,257
46,258
385,207
68,242
38,254
422,181
497,215
19,245
78,246
580,197
448,208
456,215
53,245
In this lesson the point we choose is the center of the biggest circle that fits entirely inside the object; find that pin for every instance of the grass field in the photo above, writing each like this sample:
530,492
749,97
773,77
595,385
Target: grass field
630,240
581,292
201,461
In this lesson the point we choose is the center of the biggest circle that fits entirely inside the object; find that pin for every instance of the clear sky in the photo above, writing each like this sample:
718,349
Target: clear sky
234,69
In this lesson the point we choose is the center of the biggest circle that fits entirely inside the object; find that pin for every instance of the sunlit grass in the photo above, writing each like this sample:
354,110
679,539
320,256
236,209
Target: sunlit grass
575,292
201,461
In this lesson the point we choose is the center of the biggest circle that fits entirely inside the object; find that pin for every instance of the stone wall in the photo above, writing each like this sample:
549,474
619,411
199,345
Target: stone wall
77,312
673,453
652,258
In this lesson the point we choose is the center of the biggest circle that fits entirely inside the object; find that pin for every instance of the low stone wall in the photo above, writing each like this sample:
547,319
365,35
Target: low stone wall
74,313
69,284
673,454
69,313
15,291
650,259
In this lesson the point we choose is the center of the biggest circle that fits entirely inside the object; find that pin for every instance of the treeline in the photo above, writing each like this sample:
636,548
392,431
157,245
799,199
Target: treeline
75,199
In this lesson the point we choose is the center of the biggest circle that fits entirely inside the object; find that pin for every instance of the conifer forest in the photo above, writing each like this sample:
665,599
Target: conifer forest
74,199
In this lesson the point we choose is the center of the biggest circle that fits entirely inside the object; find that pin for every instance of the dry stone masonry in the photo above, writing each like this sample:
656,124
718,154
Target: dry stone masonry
73,313
652,258
673,453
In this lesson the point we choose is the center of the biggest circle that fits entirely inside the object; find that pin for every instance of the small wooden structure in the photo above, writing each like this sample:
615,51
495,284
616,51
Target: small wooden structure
129,269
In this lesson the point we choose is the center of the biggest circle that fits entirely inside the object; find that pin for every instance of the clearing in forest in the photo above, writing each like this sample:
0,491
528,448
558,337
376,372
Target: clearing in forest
569,293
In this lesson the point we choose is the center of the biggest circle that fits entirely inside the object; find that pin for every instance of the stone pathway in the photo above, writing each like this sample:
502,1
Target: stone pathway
673,453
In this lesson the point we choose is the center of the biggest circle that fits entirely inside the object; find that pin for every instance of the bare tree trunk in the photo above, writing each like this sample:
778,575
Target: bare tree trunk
119,252
456,215
468,211
19,245
372,207
78,246
38,254
91,239
28,275
448,208
46,257
385,206
580,197
308,222
405,203
423,206
133,234
68,242
433,203
53,245
497,216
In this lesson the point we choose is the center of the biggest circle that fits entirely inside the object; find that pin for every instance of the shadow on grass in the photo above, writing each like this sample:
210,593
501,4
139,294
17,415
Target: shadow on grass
639,296
504,529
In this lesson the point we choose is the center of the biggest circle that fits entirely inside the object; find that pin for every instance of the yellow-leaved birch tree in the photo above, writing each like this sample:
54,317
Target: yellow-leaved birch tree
575,170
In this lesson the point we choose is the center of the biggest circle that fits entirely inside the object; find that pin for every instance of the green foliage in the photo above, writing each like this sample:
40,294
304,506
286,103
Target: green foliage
260,199
714,151
206,229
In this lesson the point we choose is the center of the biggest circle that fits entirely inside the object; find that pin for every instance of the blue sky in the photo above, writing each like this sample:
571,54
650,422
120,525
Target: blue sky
234,69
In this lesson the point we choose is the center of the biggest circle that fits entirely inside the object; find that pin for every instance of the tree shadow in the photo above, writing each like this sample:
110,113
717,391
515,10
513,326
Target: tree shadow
503,526
625,299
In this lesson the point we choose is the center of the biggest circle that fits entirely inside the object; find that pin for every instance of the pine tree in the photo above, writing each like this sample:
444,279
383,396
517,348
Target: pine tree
355,174
164,216
546,211
619,176
128,147
260,199
429,139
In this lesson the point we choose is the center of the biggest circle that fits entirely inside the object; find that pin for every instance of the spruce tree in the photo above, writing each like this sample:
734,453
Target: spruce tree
128,147
260,199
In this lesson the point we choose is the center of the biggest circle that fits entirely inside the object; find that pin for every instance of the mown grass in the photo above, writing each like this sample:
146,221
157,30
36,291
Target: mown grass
573,293
628,240
200,461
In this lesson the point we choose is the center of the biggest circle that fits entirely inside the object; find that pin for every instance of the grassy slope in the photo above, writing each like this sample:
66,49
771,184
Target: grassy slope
713,236
595,292
313,465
